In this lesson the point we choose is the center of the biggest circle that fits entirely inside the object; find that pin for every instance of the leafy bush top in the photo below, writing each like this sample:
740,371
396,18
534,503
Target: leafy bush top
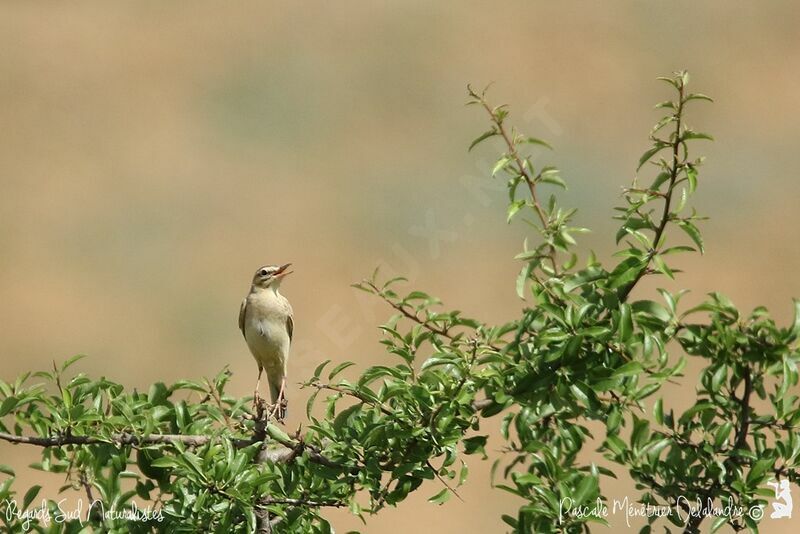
583,350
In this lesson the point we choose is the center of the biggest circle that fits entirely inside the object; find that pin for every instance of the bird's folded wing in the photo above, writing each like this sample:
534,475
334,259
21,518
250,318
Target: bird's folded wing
290,325
242,312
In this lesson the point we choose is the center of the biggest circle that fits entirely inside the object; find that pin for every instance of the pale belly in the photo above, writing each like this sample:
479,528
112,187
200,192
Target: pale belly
269,343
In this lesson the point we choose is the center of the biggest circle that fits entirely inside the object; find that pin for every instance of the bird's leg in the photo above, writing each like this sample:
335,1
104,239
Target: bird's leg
279,408
256,398
282,402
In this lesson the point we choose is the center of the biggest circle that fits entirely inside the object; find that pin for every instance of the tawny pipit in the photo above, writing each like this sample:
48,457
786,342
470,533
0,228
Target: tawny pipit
265,319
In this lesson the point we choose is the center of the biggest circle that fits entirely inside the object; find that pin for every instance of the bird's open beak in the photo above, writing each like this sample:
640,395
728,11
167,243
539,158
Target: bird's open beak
282,271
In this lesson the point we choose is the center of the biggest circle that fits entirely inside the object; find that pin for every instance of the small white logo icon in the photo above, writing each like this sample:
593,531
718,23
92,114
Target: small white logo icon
782,507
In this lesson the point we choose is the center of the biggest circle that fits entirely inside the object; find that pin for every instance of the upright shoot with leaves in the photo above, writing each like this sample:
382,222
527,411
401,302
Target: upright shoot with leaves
676,177
550,221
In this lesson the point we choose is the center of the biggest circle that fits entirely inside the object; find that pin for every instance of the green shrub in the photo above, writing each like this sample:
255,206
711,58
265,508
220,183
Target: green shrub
583,352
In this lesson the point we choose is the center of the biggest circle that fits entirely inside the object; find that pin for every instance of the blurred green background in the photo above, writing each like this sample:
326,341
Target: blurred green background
153,155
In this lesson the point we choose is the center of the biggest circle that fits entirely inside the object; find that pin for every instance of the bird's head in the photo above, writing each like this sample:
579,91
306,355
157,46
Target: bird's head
271,275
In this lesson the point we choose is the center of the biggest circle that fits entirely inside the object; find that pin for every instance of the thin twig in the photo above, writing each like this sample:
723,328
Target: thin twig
303,502
744,417
355,395
665,214
443,481
523,172
276,455
425,323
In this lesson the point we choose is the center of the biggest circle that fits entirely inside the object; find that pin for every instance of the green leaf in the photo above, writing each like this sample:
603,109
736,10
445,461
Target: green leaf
696,135
660,179
691,177
550,175
164,461
756,473
30,495
625,273
581,278
181,414
794,331
475,444
718,523
522,279
692,231
646,391
433,361
310,402
193,462
663,122
595,331
501,164
278,434
71,361
719,377
320,367
722,434
510,521
66,396
629,369
672,81
514,207
682,203
463,473
586,488
697,408
579,394
616,445
640,432
613,421
188,384
662,266
698,96
655,447
339,368
676,249
652,309
484,136
158,393
536,141
441,497
625,322
650,153
8,404
658,411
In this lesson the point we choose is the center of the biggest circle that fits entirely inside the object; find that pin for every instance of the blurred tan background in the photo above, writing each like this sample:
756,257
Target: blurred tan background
152,155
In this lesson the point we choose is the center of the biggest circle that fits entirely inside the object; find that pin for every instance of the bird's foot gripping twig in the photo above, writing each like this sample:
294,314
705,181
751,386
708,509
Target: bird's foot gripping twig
281,403
278,409
259,406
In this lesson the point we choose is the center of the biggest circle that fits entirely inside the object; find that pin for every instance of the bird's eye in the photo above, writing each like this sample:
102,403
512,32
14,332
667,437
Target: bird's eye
263,272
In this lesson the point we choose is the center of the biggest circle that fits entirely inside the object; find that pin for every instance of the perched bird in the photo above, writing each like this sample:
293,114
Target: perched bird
265,319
